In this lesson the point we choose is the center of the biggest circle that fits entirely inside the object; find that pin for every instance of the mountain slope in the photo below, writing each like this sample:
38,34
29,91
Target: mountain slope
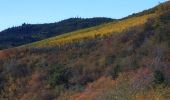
28,33
98,31
106,29
130,65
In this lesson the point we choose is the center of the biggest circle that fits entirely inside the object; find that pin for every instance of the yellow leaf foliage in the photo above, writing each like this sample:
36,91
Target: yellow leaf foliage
90,33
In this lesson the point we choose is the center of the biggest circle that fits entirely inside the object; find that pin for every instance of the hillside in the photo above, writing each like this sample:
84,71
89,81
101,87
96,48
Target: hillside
124,60
28,33
102,30
94,32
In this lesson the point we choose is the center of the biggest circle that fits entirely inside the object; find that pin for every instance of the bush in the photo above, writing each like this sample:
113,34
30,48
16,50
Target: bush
15,69
58,75
58,89
158,77
115,71
165,18
110,60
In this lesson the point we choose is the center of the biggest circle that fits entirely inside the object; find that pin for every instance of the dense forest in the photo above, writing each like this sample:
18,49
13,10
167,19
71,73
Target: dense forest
28,33
128,59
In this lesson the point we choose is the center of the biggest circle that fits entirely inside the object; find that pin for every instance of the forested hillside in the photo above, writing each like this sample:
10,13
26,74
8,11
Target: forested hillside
28,33
124,60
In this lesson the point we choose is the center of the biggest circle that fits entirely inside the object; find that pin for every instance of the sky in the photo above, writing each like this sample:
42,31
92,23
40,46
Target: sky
16,12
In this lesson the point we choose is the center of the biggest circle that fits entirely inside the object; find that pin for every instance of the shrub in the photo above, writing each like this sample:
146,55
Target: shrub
15,69
58,89
158,77
115,71
120,91
165,18
110,60
58,75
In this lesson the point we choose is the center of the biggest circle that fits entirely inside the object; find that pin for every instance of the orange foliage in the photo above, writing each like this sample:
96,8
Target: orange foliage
35,87
7,53
142,78
94,89
3,54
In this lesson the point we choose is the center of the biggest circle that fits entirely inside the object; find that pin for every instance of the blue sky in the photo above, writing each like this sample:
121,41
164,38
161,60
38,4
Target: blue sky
16,12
